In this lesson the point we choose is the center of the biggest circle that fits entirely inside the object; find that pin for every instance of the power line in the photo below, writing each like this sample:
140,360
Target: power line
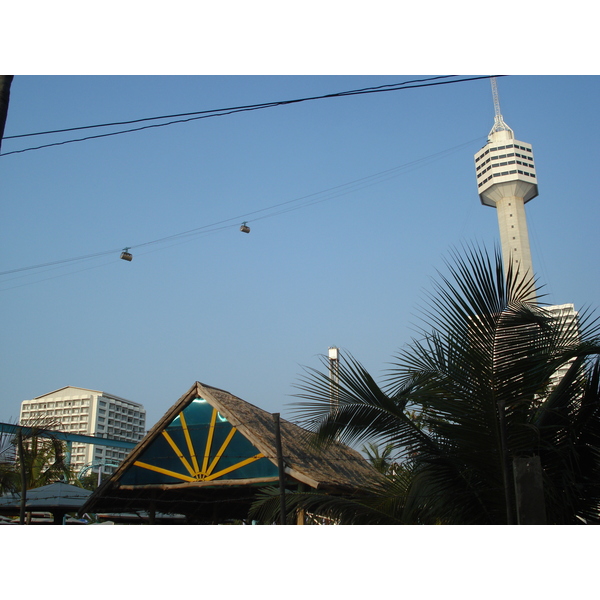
285,206
194,116
190,114
56,276
58,262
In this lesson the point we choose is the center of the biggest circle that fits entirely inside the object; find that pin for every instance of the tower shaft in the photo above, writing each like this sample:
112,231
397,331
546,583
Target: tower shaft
514,238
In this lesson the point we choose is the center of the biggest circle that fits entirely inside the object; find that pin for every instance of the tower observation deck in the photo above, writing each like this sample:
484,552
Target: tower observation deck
506,180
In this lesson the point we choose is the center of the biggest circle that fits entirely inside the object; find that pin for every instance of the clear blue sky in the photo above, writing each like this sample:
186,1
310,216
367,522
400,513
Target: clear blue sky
246,312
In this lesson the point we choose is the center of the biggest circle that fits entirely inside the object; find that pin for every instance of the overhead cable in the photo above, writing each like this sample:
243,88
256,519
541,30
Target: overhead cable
194,116
285,206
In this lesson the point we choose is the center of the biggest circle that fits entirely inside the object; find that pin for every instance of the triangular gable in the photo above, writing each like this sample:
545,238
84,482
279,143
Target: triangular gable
195,443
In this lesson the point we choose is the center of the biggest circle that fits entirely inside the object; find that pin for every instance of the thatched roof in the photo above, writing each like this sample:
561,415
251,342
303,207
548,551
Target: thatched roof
137,485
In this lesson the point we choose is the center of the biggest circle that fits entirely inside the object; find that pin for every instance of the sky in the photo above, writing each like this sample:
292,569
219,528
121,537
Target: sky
353,202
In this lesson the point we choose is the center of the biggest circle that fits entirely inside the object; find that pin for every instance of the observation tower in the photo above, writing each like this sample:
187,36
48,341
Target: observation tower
506,180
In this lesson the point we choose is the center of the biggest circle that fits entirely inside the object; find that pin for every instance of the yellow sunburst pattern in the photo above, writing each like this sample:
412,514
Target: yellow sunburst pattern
189,459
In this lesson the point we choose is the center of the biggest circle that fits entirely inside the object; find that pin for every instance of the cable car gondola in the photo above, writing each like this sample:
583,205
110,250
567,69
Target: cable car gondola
244,228
126,255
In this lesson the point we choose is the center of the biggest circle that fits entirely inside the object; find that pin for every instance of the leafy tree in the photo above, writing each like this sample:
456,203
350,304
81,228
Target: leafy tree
88,481
477,390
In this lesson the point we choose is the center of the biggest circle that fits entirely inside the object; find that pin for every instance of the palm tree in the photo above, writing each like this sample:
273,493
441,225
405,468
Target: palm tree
31,459
380,459
40,461
475,392
44,461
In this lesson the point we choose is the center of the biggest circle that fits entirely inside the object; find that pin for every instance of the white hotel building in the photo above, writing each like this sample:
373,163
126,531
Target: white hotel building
88,412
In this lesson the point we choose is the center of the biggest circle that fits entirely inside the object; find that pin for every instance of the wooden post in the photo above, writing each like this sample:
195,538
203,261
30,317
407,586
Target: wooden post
301,512
529,491
282,508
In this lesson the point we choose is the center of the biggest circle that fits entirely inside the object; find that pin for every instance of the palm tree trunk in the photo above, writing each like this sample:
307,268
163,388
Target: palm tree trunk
508,487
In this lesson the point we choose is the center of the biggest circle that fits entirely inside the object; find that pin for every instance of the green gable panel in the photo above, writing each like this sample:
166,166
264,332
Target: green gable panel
199,444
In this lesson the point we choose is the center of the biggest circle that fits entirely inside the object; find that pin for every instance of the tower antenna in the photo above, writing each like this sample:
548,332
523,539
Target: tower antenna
499,124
